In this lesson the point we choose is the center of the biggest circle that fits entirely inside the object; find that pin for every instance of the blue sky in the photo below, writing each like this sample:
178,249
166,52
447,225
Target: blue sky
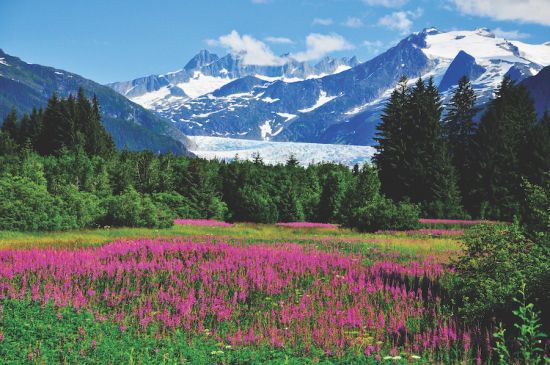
108,40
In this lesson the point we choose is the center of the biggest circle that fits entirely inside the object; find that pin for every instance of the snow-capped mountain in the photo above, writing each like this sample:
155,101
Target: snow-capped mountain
341,106
206,72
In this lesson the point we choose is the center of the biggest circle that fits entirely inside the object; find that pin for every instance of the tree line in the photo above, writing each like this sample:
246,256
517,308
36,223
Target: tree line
59,169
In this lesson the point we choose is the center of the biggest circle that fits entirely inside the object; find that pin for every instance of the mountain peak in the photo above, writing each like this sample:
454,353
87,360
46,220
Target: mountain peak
485,32
203,58
431,31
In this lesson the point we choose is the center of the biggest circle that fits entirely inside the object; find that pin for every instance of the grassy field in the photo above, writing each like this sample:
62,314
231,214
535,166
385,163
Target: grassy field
243,294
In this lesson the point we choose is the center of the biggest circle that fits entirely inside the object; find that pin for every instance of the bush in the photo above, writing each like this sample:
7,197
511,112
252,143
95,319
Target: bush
178,205
80,209
256,206
27,206
536,209
130,209
497,260
384,214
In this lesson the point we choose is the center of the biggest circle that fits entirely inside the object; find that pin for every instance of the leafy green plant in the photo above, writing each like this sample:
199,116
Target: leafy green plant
496,260
529,337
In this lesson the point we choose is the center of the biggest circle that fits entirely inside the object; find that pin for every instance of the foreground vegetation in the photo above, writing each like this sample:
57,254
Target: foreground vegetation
77,298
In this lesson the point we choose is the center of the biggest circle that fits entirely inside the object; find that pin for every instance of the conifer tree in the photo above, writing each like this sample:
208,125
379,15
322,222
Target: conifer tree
391,142
10,126
459,130
501,151
101,143
331,197
537,161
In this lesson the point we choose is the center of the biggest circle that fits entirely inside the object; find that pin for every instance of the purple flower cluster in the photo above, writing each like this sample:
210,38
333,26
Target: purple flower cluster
458,222
307,225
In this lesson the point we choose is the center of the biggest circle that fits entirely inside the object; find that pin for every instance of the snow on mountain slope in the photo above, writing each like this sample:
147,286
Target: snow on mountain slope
497,55
322,100
480,43
538,53
279,152
206,72
201,84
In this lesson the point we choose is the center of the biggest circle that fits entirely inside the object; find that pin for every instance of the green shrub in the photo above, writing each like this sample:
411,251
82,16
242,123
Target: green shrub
130,209
496,261
179,206
27,206
528,341
256,206
80,209
536,209
384,214
217,209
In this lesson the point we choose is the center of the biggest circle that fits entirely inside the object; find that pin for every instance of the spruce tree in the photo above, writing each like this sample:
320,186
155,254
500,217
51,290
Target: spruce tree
537,161
331,197
391,142
10,126
501,151
101,143
459,130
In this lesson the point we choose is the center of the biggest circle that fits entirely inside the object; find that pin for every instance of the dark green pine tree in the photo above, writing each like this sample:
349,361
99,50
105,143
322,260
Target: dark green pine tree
364,189
51,138
10,126
8,145
392,141
441,176
290,207
429,177
101,142
33,130
501,151
459,129
537,161
331,197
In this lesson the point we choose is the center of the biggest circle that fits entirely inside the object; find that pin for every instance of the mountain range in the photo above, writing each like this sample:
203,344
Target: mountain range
26,85
334,101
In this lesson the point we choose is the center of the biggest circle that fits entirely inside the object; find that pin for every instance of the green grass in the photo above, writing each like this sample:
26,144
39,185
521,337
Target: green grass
416,246
32,334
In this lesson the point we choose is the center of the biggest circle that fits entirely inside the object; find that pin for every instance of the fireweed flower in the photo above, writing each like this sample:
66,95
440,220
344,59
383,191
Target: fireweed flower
279,294
307,225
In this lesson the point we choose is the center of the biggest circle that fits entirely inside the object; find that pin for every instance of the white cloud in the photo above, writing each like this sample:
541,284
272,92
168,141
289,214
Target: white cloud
373,46
510,34
353,22
322,21
528,11
400,20
318,45
252,50
386,3
256,52
279,40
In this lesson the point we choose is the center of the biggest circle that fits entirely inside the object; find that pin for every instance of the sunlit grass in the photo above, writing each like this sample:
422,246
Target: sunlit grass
439,247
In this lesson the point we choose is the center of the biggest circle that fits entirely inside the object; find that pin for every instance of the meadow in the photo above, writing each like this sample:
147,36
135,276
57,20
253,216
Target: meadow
243,293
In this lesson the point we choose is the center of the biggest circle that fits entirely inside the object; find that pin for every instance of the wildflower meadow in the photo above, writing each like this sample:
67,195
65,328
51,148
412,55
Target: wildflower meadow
221,298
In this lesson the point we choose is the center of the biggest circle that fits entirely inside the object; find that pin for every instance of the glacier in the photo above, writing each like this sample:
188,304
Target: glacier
279,152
